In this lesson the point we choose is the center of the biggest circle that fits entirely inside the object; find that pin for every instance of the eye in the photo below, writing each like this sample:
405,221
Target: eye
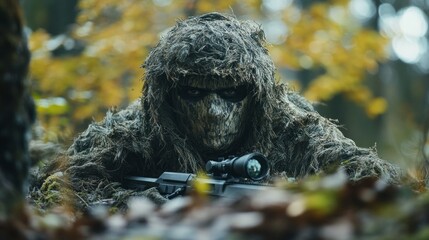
193,92
190,93
235,94
229,92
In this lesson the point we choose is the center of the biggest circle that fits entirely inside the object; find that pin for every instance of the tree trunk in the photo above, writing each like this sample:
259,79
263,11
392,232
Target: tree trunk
17,111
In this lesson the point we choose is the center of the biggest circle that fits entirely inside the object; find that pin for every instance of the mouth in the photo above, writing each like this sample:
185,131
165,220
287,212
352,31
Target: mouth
219,135
214,135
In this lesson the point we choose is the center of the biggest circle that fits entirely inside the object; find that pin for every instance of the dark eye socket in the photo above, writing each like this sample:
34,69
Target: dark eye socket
230,92
190,93
235,94
193,92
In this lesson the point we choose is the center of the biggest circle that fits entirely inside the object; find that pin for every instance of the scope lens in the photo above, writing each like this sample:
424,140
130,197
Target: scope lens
253,168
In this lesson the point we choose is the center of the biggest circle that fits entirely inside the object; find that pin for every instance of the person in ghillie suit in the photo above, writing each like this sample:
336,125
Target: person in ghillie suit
209,91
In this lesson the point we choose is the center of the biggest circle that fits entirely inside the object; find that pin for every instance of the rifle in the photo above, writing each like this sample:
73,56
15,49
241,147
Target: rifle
229,177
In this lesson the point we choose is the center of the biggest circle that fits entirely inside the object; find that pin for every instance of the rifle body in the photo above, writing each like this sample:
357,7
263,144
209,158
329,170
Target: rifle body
172,184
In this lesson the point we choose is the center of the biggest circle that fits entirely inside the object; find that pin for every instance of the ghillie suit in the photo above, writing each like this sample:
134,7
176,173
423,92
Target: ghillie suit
206,55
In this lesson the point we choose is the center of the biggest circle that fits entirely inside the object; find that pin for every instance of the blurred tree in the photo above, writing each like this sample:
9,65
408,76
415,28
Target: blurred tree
17,110
54,16
402,80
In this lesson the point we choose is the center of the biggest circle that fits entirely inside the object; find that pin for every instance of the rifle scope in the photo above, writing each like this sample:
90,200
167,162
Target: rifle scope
253,166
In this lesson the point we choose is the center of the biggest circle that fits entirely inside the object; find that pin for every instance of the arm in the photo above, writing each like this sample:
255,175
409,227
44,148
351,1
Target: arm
308,143
93,167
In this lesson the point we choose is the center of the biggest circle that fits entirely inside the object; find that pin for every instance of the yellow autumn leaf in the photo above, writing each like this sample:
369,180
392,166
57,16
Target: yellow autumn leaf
84,111
134,91
214,5
110,93
322,88
359,94
376,106
38,68
321,203
201,186
340,2
52,106
318,10
38,39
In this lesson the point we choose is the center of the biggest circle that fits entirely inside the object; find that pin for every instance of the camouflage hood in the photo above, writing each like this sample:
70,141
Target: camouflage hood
209,45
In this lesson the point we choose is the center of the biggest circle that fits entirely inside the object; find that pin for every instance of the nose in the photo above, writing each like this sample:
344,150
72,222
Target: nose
215,105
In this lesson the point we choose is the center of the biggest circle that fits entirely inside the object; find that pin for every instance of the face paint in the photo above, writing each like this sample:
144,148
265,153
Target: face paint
212,113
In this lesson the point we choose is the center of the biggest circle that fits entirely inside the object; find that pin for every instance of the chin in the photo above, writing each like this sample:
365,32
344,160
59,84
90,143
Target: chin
217,149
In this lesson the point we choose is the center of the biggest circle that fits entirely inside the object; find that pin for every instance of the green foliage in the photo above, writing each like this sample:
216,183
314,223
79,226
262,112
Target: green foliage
117,36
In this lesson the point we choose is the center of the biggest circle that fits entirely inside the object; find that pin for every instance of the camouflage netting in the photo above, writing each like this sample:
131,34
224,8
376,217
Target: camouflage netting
145,140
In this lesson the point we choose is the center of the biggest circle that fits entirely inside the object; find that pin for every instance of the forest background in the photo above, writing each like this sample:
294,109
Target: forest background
363,62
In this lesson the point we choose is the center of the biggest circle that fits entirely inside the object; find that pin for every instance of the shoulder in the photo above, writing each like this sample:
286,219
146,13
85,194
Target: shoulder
299,101
291,106
296,116
292,100
116,126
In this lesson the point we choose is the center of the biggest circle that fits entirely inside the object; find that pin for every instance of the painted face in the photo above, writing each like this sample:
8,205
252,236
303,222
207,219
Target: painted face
212,113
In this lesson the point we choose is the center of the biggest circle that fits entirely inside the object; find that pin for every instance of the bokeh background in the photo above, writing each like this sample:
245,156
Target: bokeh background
363,62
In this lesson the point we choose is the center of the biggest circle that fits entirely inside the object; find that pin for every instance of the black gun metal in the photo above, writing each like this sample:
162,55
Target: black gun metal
231,177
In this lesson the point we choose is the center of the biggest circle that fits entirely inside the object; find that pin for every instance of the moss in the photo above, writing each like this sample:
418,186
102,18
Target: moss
52,190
